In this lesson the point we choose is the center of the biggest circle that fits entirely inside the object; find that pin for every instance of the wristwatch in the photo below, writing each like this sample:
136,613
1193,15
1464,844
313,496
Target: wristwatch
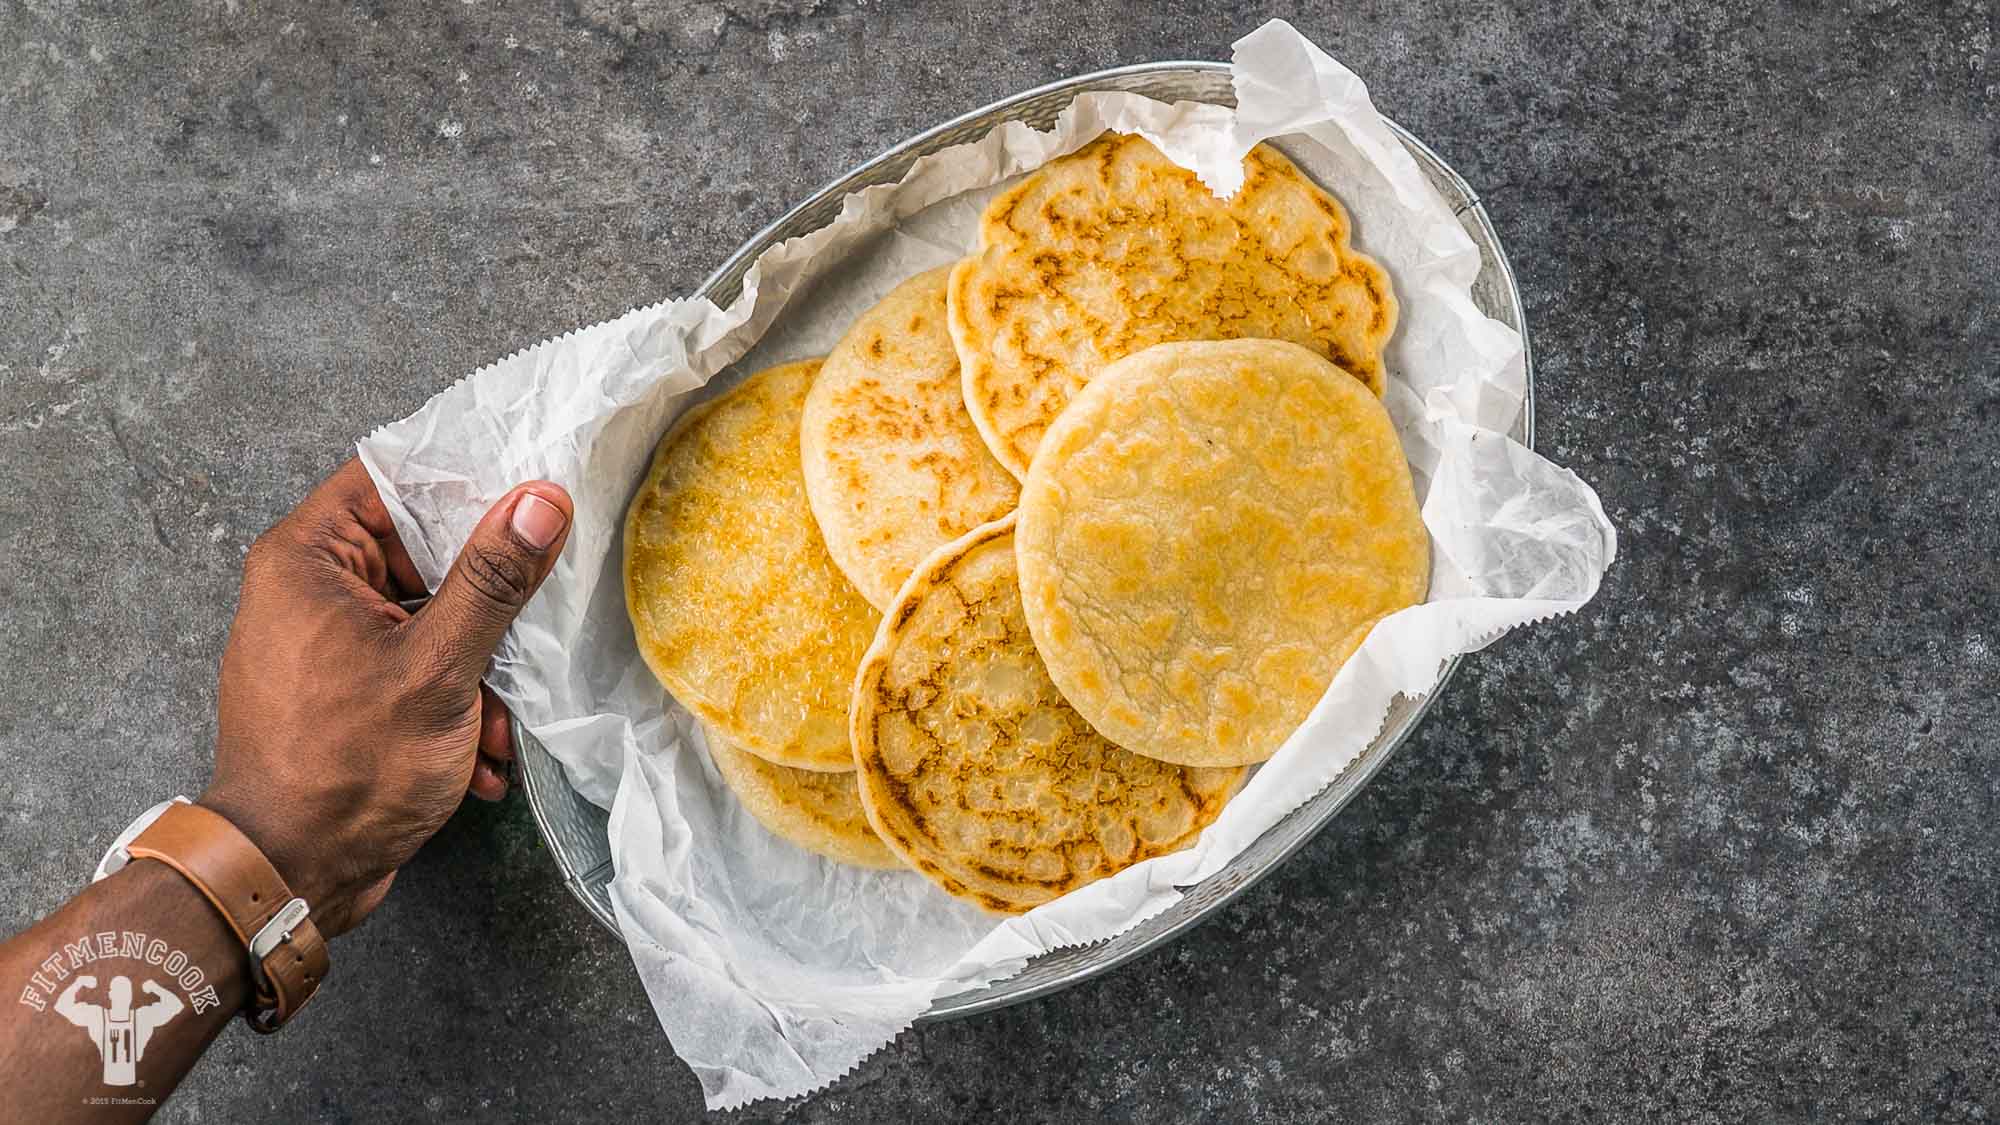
287,954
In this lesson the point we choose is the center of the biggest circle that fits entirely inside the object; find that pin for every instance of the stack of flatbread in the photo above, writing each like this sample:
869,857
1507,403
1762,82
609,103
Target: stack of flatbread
1013,585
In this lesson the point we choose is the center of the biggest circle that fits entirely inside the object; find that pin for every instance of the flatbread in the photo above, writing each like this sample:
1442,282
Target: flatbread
1115,248
735,603
1207,534
893,465
976,772
820,812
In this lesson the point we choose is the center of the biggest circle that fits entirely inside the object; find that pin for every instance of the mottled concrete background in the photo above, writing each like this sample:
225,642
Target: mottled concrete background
1720,848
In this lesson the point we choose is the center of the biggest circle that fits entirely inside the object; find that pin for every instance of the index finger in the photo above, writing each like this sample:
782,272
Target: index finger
351,490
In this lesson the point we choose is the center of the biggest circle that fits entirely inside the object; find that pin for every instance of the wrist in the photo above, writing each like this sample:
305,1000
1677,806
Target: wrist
272,921
197,930
303,874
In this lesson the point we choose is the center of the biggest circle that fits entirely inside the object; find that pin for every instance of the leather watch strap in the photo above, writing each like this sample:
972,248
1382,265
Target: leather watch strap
235,877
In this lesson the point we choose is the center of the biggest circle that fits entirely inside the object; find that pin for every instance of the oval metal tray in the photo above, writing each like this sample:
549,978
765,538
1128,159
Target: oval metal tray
575,829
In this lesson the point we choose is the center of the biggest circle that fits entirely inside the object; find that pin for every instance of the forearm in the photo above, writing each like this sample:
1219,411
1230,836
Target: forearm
348,730
145,923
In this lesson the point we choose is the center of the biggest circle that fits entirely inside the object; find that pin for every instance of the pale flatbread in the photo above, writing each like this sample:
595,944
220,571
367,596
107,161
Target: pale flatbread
820,812
893,465
1115,248
1206,535
976,772
737,607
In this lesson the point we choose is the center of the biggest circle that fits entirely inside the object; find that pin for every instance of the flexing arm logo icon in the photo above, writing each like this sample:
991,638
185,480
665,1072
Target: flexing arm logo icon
120,1031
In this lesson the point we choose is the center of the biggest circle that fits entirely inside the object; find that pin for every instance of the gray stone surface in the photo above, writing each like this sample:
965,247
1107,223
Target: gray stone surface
1720,848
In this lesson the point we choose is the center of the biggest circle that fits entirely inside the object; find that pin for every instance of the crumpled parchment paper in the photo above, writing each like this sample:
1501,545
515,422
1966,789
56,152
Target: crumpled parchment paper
774,971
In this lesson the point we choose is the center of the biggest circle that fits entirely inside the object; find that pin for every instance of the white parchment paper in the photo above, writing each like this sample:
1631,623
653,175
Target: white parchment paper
774,971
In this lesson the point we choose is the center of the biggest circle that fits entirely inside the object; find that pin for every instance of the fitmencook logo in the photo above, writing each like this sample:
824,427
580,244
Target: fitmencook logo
122,1015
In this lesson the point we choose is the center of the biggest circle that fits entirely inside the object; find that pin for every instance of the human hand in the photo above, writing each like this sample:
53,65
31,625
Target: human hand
152,988
349,728
83,982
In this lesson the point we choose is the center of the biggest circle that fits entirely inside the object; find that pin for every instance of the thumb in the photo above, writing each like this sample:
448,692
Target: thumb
498,570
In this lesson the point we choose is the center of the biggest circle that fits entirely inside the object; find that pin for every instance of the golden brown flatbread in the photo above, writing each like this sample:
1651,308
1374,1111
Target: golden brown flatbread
893,465
820,812
973,768
1207,534
1114,248
736,605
